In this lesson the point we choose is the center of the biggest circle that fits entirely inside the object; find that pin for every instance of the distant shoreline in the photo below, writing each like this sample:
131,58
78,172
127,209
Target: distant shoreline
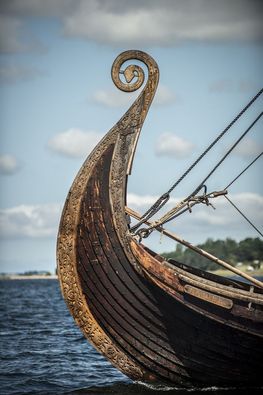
28,277
219,272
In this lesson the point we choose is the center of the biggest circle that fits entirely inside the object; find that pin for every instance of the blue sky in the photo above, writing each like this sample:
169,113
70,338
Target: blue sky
57,100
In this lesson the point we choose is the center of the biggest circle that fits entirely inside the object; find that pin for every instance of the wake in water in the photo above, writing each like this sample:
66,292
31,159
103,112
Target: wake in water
140,388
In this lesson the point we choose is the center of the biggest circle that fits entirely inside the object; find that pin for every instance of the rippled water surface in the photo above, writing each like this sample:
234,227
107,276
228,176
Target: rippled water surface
43,352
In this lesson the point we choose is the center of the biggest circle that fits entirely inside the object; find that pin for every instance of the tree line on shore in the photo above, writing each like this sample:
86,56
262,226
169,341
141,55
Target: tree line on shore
247,251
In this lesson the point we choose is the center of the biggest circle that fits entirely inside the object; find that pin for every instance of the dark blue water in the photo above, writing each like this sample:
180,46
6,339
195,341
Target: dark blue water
43,352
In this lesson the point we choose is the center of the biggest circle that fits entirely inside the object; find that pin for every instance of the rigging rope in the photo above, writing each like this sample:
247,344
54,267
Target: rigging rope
165,197
215,141
226,187
243,215
188,203
243,171
227,153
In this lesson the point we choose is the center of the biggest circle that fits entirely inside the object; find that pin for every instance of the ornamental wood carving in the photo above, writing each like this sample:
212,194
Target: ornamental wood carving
123,136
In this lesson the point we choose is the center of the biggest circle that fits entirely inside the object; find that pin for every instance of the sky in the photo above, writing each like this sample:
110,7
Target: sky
58,100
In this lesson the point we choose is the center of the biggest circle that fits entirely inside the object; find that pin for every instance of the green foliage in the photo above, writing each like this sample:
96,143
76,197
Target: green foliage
245,251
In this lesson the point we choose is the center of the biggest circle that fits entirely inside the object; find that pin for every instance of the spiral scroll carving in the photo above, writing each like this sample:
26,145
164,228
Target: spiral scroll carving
132,71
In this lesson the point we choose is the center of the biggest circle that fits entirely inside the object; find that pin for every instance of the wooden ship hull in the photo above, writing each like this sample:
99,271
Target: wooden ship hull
154,320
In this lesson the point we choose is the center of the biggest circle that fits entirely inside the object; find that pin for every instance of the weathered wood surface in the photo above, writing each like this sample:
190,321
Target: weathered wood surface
198,250
155,330
127,301
122,138
175,281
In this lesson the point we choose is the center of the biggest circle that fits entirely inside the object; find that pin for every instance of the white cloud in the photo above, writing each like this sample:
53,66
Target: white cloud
139,23
227,85
225,216
169,144
10,33
8,164
221,86
14,36
138,201
164,96
248,148
74,143
42,221
206,222
33,221
12,73
165,23
38,7
116,98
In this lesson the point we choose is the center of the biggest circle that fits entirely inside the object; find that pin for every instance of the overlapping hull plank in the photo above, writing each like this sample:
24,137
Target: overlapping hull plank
141,318
147,316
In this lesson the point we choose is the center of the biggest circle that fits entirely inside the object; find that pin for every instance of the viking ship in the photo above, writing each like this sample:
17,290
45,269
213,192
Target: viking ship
155,320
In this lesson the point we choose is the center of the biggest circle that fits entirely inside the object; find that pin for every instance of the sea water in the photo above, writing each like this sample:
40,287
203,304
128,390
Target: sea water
42,351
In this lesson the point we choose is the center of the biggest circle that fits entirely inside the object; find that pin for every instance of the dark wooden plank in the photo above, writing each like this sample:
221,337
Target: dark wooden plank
96,262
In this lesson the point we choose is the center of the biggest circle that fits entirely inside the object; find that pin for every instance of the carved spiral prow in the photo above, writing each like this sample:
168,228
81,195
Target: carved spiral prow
134,71
131,123
98,197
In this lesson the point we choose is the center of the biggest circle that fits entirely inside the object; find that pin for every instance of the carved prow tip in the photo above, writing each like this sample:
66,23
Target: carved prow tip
134,71
132,121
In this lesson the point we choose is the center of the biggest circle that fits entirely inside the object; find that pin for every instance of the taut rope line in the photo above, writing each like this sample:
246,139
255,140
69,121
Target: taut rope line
165,197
